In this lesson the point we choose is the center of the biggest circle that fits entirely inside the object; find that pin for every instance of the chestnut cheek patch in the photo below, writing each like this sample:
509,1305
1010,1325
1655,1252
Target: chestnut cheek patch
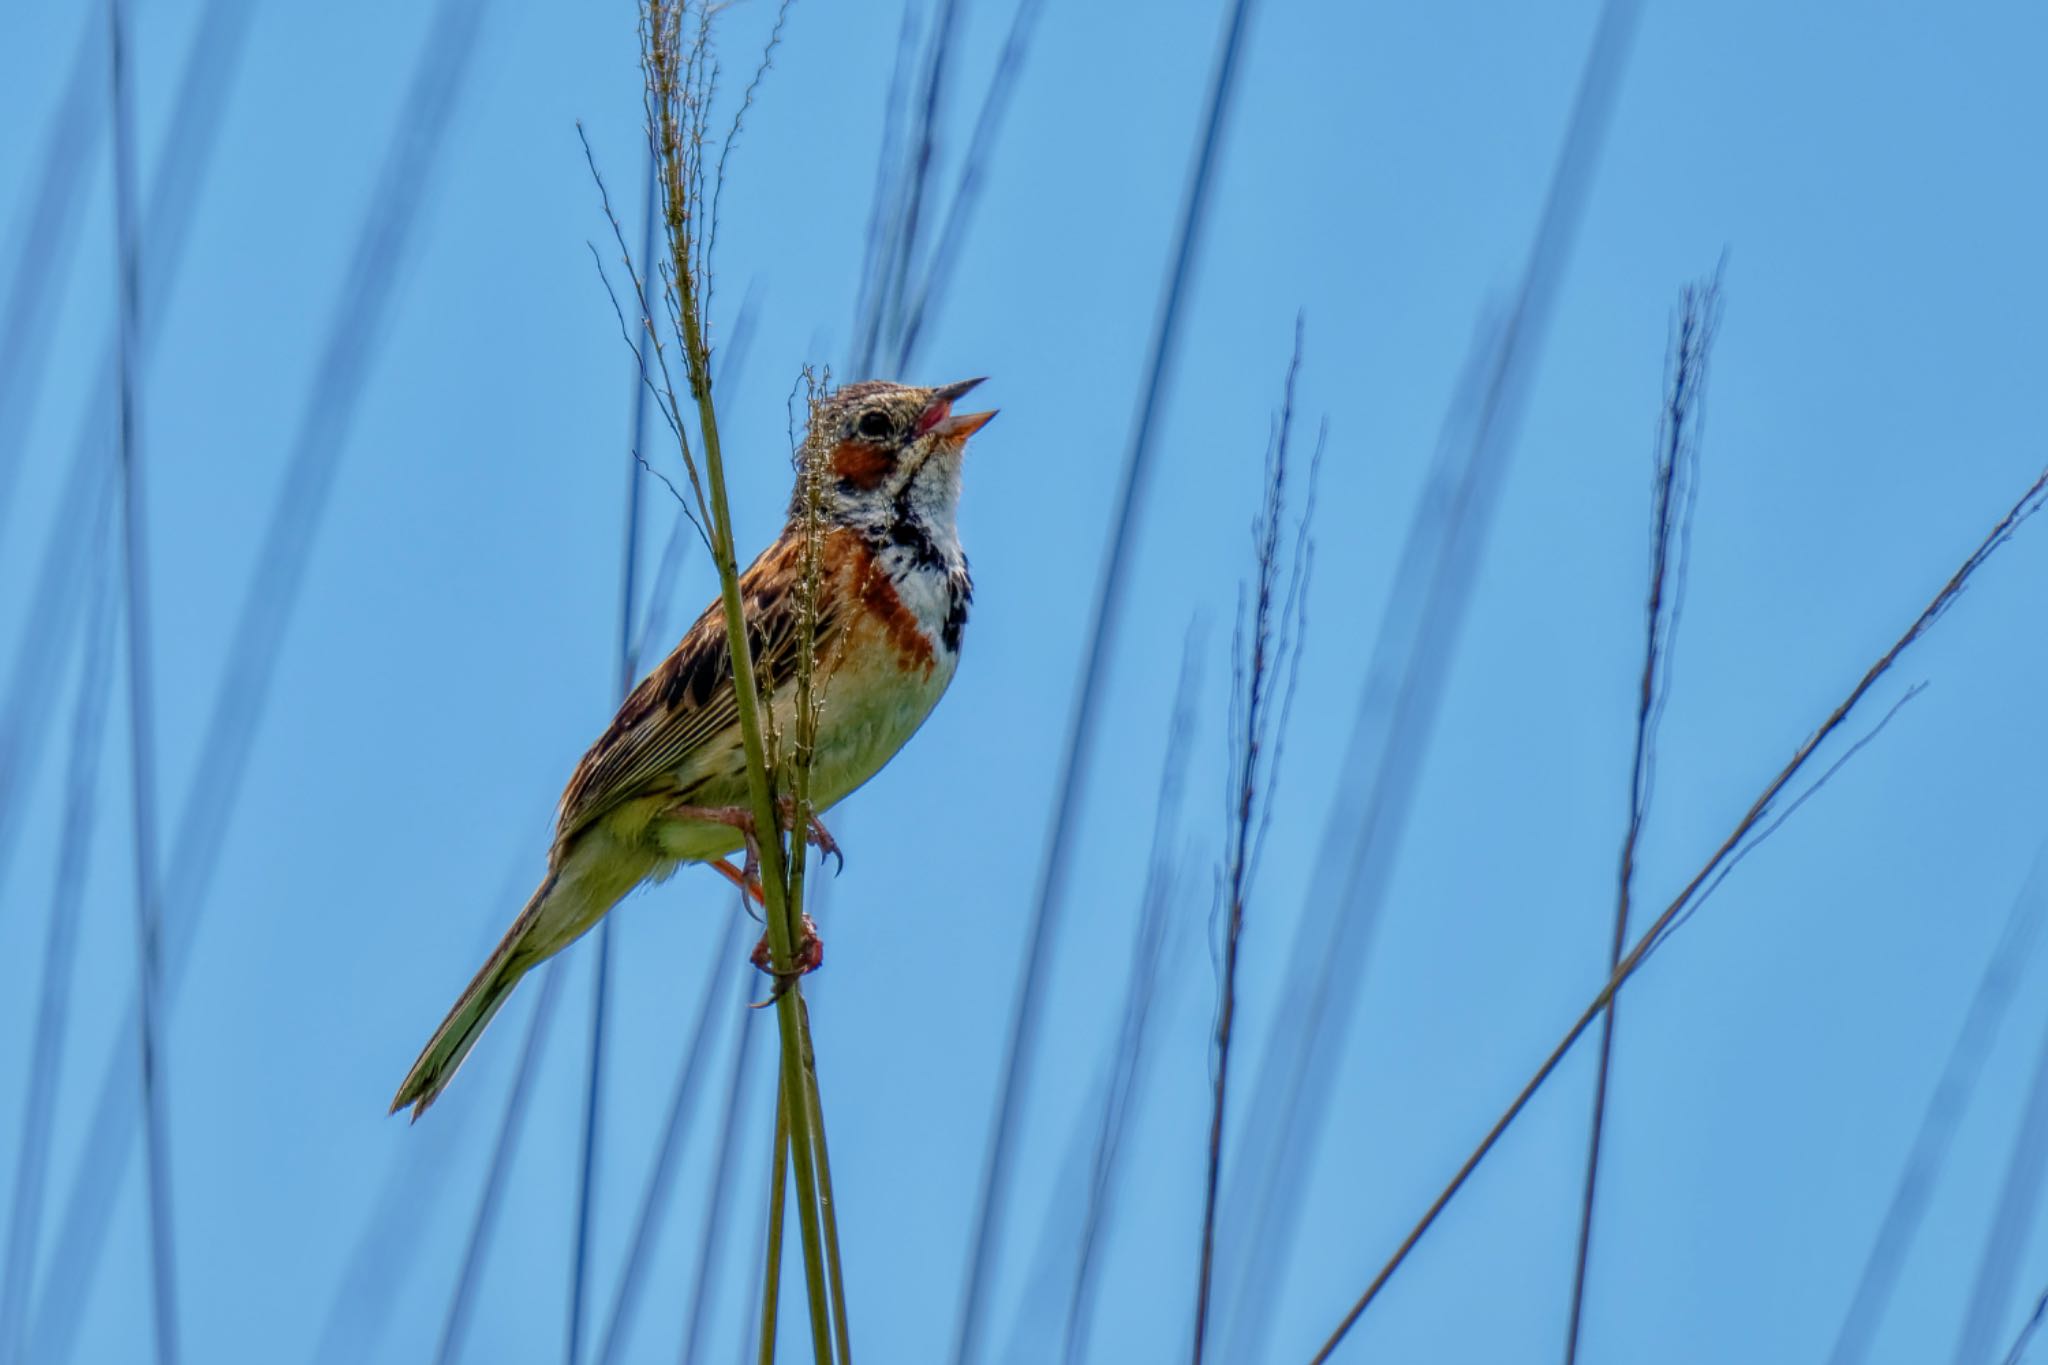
861,466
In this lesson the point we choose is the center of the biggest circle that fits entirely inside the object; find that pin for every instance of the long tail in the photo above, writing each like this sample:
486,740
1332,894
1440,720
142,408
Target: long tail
480,1002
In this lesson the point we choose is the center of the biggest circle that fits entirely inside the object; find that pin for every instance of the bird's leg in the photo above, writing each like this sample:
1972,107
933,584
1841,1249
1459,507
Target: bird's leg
737,817
750,883
742,819
810,955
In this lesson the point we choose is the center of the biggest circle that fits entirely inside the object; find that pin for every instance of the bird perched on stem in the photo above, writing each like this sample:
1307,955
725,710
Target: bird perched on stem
666,783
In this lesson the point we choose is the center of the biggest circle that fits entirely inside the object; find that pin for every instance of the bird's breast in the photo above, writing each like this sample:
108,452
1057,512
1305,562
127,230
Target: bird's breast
895,659
891,656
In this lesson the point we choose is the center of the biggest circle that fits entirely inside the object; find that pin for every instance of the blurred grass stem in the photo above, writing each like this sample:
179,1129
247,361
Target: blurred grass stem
163,1264
1106,612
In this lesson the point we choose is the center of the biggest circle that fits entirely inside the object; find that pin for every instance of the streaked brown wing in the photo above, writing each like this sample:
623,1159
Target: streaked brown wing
689,700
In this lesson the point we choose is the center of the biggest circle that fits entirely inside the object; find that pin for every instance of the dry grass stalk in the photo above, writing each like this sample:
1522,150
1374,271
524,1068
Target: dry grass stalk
1674,482
2027,505
1267,649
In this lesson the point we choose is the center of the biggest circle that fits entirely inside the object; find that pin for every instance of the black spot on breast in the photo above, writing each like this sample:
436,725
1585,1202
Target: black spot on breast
959,592
907,532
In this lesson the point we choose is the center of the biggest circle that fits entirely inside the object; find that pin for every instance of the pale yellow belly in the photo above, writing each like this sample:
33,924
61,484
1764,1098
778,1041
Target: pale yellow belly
869,714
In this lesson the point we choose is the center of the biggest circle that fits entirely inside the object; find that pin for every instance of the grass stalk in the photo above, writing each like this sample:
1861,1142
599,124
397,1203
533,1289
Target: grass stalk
918,173
46,240
661,590
1876,1285
817,1298
163,1264
811,468
586,1167
2029,502
995,101
842,1333
678,76
722,1180
1267,647
60,951
778,1217
627,659
1399,699
2017,1352
384,1254
1676,453
653,1198
1078,750
388,227
2014,1216
885,210
511,1124
1120,1095
47,231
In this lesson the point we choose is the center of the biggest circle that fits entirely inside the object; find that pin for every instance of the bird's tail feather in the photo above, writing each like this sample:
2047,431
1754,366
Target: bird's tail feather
478,1005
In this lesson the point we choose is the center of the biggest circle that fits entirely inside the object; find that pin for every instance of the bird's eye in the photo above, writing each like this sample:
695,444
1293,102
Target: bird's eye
875,426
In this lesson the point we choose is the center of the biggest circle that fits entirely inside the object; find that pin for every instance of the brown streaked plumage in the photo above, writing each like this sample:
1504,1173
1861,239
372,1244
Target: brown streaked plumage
892,601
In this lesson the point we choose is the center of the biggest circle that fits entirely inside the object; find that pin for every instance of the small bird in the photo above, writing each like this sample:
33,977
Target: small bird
666,783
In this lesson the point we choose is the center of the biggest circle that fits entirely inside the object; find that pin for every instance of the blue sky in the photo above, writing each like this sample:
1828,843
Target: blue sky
1871,174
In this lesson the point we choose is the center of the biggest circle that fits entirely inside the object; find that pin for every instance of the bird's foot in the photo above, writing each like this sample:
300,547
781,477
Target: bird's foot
820,837
810,955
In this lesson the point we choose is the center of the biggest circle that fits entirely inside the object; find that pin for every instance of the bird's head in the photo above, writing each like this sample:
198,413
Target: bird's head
890,452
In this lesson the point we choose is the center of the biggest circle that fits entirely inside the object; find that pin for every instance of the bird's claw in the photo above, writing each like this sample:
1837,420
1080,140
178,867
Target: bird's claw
827,846
819,838
809,955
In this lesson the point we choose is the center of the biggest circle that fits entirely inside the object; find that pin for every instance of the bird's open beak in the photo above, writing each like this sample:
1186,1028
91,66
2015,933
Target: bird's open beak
939,416
957,429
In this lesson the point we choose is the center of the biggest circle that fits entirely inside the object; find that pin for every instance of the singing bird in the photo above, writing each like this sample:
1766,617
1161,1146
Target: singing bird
666,783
